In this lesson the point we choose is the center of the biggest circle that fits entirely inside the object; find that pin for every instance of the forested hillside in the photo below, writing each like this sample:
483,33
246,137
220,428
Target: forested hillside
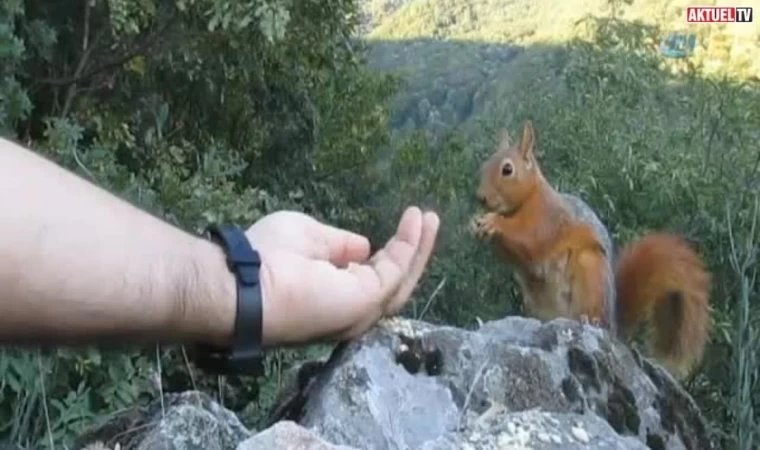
650,142
461,59
213,110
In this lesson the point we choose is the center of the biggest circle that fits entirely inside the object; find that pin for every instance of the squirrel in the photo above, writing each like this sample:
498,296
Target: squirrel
564,263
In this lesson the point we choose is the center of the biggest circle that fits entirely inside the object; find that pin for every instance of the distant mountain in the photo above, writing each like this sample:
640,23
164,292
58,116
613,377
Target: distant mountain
378,11
462,58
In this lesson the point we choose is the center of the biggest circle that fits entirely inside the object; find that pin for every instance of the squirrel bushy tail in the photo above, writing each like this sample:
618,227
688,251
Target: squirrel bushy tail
662,283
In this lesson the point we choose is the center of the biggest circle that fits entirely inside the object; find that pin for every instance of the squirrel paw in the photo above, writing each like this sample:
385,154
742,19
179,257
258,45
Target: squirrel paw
486,225
593,321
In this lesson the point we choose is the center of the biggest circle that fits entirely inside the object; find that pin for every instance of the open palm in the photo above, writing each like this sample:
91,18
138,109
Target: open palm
319,281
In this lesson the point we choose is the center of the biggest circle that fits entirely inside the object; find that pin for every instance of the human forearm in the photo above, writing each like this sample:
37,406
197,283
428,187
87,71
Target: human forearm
144,277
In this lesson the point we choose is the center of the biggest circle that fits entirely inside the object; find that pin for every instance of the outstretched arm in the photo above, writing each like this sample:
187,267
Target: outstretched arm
78,264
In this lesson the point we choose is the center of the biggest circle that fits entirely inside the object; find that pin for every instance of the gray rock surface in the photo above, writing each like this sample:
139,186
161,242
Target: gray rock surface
536,430
410,385
288,435
187,421
515,383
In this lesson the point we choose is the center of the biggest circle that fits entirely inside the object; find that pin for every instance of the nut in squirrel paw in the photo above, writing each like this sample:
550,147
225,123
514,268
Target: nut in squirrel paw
484,226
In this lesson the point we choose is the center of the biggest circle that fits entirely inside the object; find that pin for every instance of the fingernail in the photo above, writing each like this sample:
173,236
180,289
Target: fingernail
432,216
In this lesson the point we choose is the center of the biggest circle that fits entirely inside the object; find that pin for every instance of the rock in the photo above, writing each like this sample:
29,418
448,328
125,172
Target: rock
187,421
537,430
409,384
296,383
288,435
514,383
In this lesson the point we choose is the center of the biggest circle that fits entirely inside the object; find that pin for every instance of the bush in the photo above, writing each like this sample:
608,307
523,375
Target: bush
198,112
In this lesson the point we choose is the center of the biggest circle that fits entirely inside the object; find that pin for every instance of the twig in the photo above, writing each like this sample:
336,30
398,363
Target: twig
220,384
44,400
160,379
432,296
81,164
189,368
478,374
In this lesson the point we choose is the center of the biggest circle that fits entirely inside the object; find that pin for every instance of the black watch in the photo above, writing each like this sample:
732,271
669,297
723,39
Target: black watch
245,354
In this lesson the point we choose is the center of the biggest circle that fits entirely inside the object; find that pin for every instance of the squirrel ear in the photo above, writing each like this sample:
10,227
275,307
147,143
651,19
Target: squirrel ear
528,140
504,138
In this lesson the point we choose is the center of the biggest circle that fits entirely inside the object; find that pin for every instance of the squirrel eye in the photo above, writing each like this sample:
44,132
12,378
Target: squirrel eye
507,169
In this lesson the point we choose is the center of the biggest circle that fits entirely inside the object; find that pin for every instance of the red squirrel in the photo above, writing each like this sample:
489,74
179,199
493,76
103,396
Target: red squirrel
562,256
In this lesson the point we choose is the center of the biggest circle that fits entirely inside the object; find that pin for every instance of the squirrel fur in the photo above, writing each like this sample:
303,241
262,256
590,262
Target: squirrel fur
564,262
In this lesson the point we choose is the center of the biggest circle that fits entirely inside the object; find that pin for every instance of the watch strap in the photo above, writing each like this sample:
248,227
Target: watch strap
245,353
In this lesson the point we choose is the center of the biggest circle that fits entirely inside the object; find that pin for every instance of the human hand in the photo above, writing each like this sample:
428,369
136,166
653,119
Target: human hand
319,282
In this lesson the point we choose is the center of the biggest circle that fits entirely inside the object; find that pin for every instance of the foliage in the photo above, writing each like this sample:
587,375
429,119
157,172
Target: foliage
650,143
743,257
197,111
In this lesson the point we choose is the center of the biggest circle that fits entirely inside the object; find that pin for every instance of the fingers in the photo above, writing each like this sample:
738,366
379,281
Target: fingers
306,236
396,268
338,246
385,271
347,302
392,262
430,226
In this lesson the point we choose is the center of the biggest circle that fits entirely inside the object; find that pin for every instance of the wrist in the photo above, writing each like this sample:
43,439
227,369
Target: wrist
242,349
208,306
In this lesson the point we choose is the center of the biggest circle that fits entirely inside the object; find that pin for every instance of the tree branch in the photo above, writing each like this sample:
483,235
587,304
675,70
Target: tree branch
86,52
140,49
